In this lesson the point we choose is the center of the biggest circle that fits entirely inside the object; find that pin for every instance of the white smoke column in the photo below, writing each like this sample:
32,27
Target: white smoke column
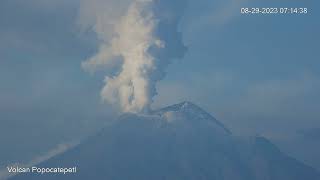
145,41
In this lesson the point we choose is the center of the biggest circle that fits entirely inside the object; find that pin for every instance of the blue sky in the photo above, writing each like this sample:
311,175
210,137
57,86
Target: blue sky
255,73
260,67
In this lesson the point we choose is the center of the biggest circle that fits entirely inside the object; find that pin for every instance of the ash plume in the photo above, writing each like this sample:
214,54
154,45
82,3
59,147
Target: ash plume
144,39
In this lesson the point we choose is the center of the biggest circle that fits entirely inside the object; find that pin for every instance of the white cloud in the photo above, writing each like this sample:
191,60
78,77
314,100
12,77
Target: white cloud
144,36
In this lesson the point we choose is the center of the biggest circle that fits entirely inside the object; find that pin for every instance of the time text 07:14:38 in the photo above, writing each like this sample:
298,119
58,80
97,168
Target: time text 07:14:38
283,10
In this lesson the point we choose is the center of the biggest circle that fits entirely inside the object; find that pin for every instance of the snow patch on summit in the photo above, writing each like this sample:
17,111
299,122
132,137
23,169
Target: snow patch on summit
191,113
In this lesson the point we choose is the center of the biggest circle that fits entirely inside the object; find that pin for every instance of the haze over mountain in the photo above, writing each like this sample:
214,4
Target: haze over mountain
177,142
305,146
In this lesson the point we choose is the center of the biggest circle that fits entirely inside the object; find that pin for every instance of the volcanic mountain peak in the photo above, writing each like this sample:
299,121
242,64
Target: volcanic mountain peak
179,142
182,107
187,111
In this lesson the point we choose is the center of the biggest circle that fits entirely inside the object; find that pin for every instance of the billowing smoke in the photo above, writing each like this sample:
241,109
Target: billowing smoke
144,39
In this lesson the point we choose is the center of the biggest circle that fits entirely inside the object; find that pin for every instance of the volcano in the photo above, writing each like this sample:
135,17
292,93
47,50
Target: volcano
179,142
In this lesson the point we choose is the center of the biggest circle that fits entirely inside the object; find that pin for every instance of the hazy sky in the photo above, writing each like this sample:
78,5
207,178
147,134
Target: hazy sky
255,73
